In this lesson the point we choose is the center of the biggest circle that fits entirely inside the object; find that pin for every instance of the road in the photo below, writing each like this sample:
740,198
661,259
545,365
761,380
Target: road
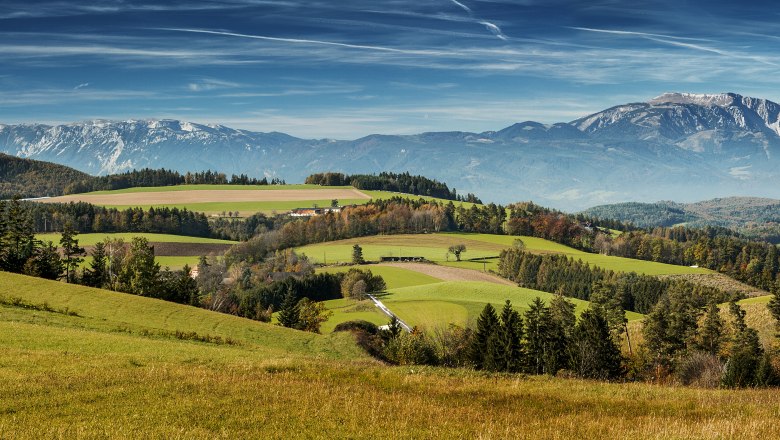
387,312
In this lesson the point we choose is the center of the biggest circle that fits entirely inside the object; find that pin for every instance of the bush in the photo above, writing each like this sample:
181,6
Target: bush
410,349
357,325
700,369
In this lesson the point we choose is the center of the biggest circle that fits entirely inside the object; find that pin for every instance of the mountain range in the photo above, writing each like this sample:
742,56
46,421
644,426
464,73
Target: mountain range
677,146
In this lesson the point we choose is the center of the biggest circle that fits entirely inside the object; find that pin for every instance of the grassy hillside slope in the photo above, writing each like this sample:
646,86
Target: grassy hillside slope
434,248
112,312
84,377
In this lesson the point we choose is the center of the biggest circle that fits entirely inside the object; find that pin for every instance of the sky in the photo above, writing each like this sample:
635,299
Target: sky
347,68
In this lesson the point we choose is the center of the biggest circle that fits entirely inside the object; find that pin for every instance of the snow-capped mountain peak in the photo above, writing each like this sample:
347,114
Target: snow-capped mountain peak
704,99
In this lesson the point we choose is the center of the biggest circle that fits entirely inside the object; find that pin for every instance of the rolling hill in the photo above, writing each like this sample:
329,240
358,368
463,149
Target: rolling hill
33,178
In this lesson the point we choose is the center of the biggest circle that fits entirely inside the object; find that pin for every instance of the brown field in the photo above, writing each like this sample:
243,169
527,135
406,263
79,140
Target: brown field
719,281
201,196
448,273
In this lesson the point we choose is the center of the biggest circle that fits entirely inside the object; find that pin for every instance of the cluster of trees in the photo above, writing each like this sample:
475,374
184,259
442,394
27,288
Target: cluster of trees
86,218
161,177
20,251
396,182
629,291
697,346
754,263
548,340
32,178
397,215
281,281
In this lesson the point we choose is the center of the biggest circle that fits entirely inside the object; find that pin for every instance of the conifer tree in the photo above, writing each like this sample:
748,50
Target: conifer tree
594,352
746,351
510,335
537,323
357,254
97,274
711,333
487,324
289,314
71,250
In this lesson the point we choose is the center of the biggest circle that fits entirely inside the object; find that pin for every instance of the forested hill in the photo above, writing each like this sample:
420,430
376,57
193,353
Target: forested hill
752,216
33,178
396,182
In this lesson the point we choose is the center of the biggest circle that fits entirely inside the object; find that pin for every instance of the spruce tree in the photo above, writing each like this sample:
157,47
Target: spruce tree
357,254
487,324
711,333
537,324
510,335
97,274
289,314
746,351
595,354
71,250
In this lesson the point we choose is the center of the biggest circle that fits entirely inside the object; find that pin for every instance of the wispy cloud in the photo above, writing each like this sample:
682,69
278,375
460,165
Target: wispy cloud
311,42
81,86
207,84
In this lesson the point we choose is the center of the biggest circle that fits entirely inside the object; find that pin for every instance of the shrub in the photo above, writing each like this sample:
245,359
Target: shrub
700,369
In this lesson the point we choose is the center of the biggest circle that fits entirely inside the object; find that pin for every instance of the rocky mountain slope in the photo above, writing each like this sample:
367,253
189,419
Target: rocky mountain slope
677,146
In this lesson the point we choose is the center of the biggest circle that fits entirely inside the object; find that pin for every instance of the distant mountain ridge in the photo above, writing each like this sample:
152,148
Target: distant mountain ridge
753,216
676,146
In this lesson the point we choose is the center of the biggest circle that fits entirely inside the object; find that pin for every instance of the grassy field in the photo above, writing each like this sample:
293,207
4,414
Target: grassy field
116,372
92,239
461,302
433,247
213,204
427,302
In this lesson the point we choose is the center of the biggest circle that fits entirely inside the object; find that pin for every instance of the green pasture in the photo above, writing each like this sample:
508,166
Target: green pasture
434,247
112,312
394,277
94,238
460,302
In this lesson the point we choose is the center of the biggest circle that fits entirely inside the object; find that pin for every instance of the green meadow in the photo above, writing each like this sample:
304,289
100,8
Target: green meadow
433,247
119,369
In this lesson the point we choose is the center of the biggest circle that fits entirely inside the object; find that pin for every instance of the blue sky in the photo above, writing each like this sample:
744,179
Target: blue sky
347,68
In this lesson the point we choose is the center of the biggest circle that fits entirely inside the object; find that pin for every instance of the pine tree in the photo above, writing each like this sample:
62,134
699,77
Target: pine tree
766,375
595,355
71,250
711,333
140,272
357,254
289,314
510,335
746,351
537,321
487,324
97,274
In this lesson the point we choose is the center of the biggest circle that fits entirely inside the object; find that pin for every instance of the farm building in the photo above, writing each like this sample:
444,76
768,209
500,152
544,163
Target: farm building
313,212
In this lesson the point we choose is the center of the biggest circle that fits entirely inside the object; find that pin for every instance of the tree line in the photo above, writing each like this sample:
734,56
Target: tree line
395,182
162,177
752,262
629,291
32,178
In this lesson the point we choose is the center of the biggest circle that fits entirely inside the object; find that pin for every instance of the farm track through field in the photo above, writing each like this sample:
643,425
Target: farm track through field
448,273
201,196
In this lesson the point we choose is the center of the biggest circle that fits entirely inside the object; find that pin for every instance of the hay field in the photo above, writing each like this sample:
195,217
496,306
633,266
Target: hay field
185,197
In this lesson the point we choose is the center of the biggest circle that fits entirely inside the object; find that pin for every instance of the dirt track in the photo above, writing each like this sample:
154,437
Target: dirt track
202,196
448,273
